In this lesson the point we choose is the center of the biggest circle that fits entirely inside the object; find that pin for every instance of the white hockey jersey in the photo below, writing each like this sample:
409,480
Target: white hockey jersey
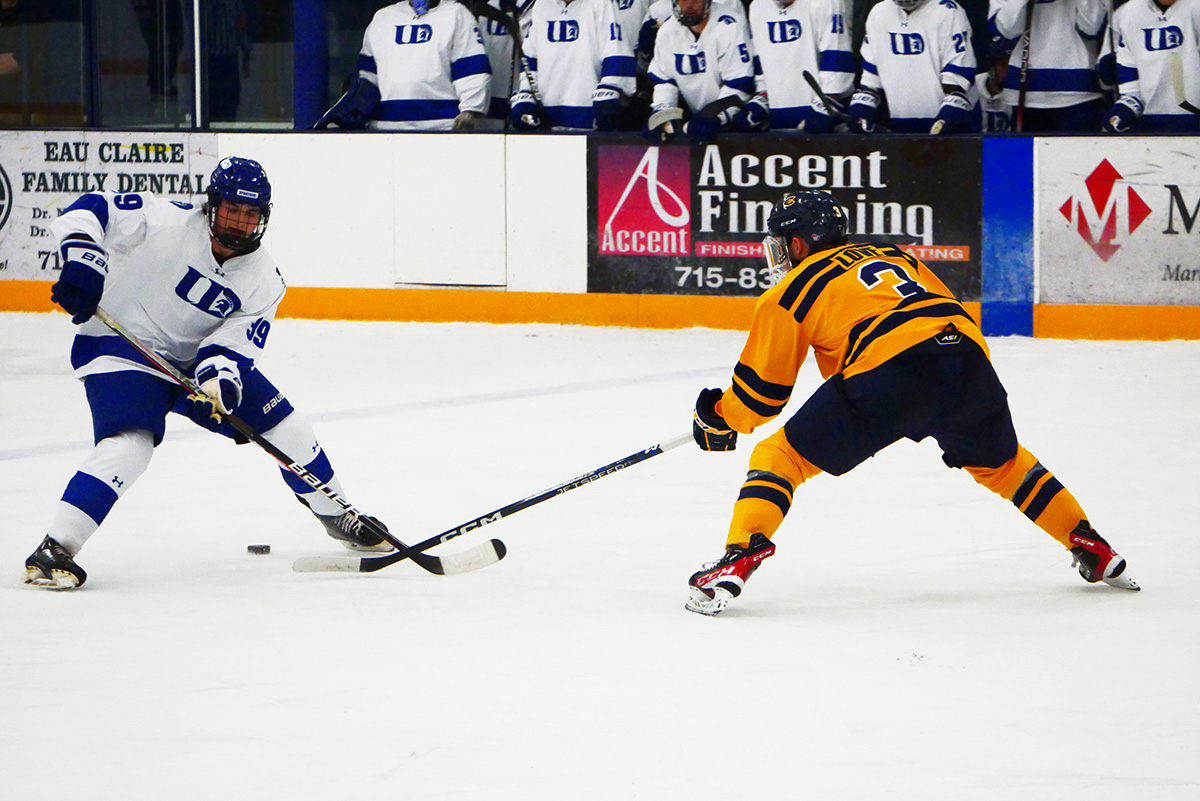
997,115
1062,59
1158,60
164,286
498,43
910,56
701,69
811,35
572,48
428,68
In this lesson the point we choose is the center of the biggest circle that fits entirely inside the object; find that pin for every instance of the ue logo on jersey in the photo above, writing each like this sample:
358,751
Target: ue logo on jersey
690,64
1165,38
416,34
907,44
643,197
563,30
207,295
1109,214
783,31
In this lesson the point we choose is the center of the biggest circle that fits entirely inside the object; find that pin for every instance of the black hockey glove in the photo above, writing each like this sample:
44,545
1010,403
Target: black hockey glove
353,110
709,429
79,287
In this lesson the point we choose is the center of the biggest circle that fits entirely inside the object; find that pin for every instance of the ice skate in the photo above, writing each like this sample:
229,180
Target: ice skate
1096,559
50,566
348,529
719,582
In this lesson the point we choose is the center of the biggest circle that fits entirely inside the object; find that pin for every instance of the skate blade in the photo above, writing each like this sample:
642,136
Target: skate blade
383,547
1120,580
58,581
701,604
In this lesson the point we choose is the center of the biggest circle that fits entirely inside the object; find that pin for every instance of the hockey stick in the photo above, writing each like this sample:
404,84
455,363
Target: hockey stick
513,24
479,556
1023,86
835,108
369,564
1177,83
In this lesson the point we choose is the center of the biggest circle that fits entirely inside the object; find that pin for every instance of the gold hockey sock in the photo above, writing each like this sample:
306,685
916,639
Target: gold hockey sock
775,471
1035,491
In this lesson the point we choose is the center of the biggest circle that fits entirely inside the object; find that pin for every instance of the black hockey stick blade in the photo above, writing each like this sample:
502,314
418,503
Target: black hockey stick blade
468,560
482,555
832,106
428,562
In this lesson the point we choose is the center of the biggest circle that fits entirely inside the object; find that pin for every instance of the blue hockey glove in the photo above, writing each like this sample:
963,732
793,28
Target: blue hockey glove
606,107
524,112
353,110
954,116
220,379
1121,115
864,109
664,124
757,116
709,429
819,119
1106,69
79,287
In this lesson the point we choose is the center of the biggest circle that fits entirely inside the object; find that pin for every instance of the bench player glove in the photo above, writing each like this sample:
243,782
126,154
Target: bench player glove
821,119
523,112
864,109
353,110
709,429
79,287
466,121
1121,115
954,116
606,107
220,379
663,125
758,113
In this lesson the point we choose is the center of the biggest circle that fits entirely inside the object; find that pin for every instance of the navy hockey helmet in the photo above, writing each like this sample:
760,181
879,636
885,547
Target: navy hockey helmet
690,20
815,217
241,181
909,5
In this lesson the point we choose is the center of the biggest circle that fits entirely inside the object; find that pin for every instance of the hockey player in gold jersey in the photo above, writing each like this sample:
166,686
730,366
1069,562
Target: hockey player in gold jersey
901,358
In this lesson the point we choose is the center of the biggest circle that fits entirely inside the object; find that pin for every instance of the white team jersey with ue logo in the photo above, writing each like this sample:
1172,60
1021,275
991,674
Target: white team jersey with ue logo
911,55
702,69
1158,54
164,286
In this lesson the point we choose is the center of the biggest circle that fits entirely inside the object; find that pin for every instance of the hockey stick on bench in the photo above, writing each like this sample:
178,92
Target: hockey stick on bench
369,564
480,556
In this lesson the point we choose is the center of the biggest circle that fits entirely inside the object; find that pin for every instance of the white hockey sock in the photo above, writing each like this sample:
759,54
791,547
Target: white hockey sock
294,436
111,469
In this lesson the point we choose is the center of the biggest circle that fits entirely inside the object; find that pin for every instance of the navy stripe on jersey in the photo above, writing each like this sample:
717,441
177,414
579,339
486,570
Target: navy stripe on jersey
894,319
1043,497
90,495
367,63
470,65
754,404
1045,80
797,286
769,494
1028,483
768,389
835,61
966,73
863,325
656,79
94,203
618,67
1126,74
532,61
416,110
86,349
743,84
570,116
788,117
869,67
814,291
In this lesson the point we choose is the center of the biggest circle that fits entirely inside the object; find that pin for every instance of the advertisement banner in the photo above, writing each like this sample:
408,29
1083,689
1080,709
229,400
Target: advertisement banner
1117,221
43,172
689,220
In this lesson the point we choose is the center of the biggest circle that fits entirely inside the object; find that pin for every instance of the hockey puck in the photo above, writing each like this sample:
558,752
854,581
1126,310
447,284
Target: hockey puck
259,549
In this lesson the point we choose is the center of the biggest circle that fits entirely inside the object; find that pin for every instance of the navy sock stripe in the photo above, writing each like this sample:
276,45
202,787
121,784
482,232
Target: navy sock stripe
1031,479
1040,501
769,494
319,467
90,495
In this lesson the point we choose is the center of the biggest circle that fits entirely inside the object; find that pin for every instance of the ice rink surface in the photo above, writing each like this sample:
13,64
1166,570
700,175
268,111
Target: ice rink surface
915,637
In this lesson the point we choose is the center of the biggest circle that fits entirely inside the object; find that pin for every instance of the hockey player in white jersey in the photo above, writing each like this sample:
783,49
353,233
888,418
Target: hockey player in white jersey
194,285
917,57
1157,61
496,17
996,115
702,58
1061,87
794,36
580,68
422,68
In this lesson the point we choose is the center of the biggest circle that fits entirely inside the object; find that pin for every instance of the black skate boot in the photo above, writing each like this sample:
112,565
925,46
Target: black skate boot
50,566
721,581
348,529
1096,559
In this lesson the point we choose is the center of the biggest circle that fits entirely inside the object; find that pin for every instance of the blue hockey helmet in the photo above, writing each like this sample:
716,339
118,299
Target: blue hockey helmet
813,216
241,181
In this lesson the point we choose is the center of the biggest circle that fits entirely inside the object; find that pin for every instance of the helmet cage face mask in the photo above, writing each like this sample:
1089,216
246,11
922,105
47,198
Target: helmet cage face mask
908,5
779,260
814,217
243,182
690,20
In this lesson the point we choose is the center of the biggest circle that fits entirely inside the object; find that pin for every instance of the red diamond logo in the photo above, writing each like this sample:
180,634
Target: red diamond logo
1106,215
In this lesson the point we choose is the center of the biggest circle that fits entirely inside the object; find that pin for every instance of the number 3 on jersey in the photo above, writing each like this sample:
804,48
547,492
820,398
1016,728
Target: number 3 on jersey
869,276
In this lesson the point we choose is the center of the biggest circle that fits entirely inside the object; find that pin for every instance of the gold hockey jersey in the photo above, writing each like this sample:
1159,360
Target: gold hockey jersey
856,306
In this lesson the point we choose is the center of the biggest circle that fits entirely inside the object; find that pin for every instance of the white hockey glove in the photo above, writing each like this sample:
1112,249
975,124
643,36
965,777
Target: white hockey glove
221,381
